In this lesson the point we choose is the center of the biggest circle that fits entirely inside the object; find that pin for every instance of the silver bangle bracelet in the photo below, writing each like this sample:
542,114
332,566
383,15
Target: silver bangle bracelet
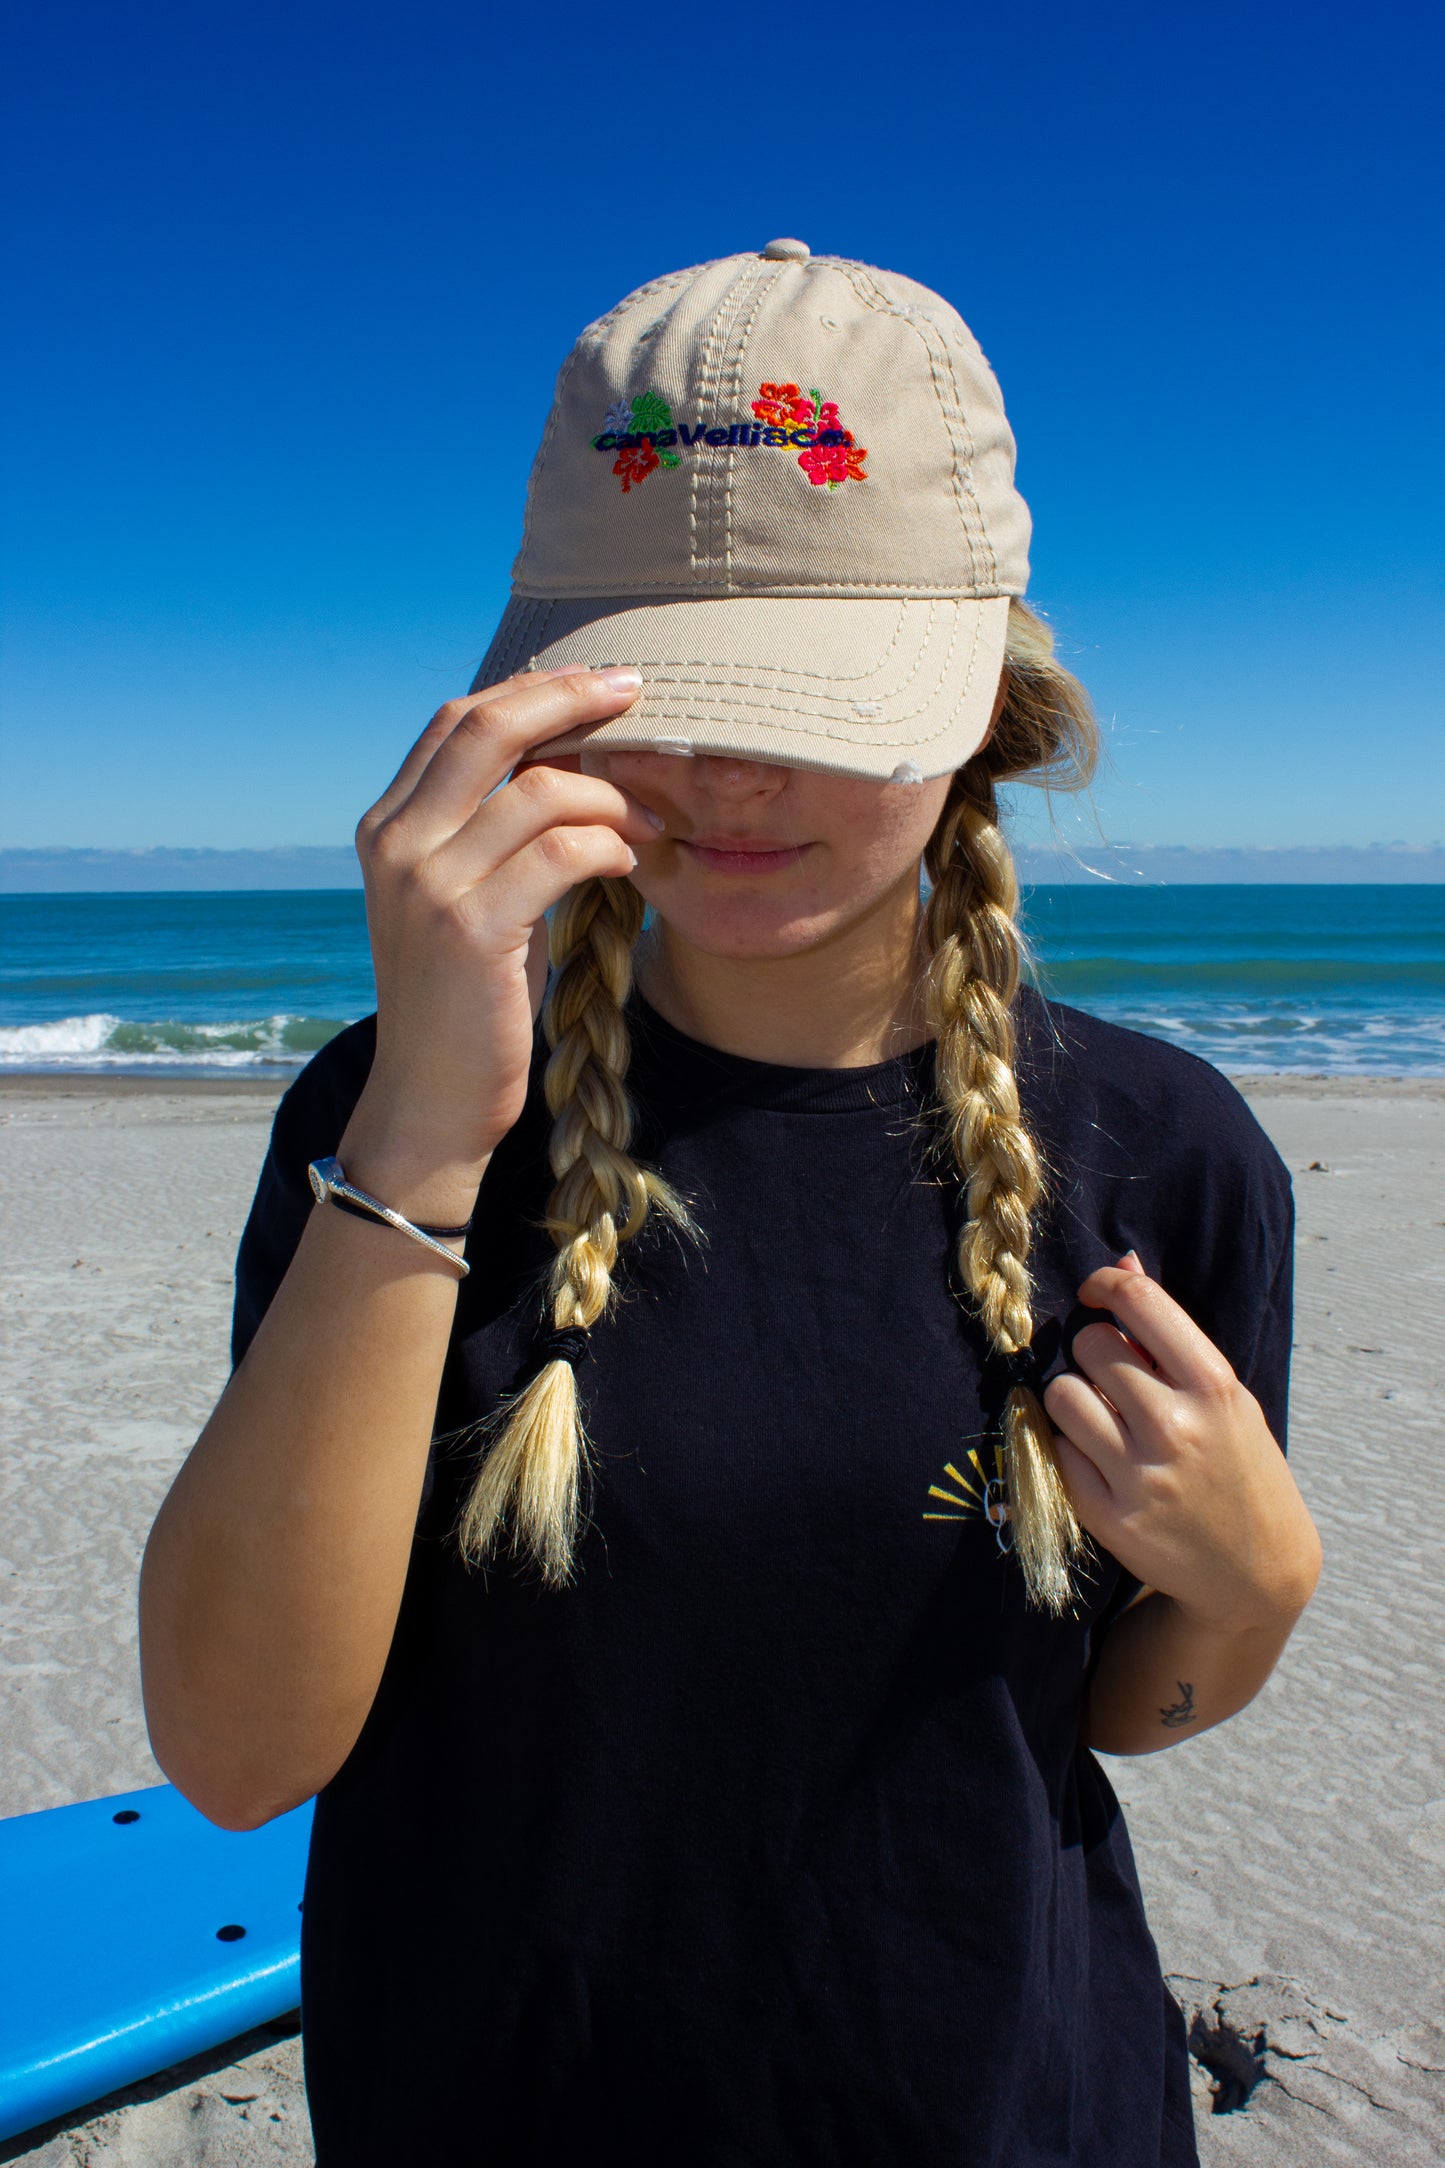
328,1181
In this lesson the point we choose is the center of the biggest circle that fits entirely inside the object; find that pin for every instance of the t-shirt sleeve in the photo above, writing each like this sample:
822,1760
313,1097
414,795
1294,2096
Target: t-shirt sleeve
1228,1245
1165,1157
309,1124
1266,1369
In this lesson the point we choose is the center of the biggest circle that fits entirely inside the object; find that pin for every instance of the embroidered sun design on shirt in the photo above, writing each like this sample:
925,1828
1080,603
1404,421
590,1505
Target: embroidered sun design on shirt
974,1495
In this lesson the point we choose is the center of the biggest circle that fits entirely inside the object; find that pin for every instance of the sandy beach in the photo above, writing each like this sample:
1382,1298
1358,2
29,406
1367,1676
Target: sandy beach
1293,1860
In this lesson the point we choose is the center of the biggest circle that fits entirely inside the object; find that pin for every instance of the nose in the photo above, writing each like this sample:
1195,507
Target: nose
729,777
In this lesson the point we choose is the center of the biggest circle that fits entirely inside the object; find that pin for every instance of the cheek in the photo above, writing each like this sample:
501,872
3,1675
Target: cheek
883,835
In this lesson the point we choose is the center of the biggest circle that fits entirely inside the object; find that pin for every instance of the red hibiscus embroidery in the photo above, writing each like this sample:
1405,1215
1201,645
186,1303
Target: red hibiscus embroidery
634,464
783,406
830,464
789,407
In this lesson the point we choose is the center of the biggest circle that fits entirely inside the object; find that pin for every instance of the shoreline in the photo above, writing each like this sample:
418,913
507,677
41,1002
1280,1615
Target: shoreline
133,1085
130,1084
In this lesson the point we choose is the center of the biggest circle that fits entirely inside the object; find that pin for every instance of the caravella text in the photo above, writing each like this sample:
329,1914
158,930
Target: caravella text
739,435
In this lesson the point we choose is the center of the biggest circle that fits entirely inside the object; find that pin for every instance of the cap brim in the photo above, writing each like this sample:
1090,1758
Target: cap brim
852,687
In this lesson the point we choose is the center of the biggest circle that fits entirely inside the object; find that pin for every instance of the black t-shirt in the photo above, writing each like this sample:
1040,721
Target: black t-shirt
768,1843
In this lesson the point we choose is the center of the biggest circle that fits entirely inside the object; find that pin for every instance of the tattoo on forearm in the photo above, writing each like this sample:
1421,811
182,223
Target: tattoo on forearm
1179,1712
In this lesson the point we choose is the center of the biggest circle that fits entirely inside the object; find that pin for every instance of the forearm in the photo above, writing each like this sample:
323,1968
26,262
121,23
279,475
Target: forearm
1163,1676
274,1573
275,1570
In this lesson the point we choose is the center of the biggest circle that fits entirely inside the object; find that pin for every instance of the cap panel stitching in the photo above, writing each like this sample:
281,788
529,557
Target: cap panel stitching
765,287
965,493
695,475
719,332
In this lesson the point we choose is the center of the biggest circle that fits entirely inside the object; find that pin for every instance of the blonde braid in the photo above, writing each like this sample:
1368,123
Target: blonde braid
529,1482
973,977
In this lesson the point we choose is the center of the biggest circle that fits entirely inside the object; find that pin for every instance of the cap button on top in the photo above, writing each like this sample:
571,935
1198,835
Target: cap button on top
787,252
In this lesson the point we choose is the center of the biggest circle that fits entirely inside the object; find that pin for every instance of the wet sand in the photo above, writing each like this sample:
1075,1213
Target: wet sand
1293,1861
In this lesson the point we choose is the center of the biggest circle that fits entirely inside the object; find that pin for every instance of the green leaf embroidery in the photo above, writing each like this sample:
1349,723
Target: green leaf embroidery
651,413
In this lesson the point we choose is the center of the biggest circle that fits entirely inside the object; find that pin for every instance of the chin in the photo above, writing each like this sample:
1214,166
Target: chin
743,932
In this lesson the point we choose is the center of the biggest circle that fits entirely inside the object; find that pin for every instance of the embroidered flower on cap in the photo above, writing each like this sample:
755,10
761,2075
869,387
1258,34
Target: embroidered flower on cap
782,406
831,456
636,463
834,463
640,430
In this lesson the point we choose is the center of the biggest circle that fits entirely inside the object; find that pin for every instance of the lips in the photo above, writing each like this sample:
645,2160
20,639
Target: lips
742,854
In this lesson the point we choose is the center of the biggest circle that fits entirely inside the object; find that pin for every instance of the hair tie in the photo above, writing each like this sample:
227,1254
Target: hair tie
1020,1370
560,1344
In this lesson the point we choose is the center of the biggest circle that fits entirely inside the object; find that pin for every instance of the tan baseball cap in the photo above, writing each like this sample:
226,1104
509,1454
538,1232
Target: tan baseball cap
780,485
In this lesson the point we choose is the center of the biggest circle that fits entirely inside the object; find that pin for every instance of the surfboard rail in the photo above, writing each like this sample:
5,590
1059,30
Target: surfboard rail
134,1933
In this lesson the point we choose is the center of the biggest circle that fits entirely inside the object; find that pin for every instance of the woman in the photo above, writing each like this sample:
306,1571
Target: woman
692,1510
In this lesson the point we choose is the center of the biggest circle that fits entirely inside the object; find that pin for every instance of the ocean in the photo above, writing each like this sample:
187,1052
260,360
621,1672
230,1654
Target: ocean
1343,981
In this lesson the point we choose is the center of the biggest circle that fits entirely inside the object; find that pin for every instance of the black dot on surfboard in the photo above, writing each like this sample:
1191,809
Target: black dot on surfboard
126,1814
229,1934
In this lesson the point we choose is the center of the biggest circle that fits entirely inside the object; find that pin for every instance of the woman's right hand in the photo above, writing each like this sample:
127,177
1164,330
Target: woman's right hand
458,876
274,1573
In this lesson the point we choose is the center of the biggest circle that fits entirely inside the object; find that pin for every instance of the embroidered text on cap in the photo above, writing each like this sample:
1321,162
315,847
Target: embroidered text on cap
645,435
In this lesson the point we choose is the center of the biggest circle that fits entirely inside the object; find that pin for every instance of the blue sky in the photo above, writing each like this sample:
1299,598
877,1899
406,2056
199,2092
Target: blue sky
293,285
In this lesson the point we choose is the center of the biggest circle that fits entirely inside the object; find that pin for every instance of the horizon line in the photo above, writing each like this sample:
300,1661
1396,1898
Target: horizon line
319,868
1392,847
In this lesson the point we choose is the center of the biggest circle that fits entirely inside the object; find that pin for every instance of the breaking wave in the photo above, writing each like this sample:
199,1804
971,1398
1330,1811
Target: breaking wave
101,1041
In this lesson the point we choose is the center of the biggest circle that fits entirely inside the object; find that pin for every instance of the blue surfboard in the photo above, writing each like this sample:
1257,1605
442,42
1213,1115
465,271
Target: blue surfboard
134,1933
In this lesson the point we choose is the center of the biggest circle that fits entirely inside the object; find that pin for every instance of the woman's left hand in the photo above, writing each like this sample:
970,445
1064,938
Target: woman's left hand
1171,1466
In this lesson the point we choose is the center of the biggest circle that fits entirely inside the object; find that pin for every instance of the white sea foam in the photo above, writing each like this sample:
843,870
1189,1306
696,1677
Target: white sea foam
1278,1039
72,1038
102,1041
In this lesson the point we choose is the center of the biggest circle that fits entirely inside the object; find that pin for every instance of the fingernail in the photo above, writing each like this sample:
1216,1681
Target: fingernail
622,681
631,854
655,818
1135,1255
